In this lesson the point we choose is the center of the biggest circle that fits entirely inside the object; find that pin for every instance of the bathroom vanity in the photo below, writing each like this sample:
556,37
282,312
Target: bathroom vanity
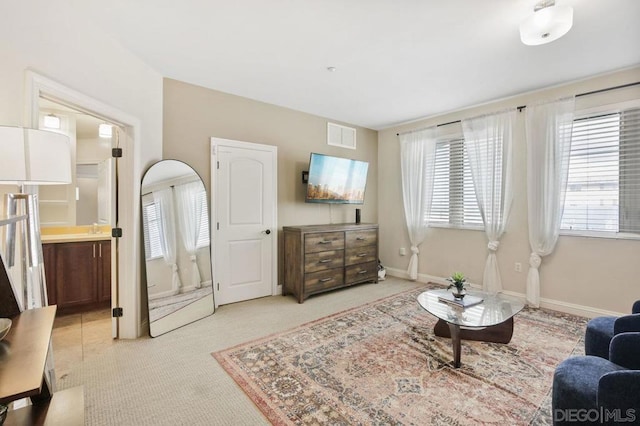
78,271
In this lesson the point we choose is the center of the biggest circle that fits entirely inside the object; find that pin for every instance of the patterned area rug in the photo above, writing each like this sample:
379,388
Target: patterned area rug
381,364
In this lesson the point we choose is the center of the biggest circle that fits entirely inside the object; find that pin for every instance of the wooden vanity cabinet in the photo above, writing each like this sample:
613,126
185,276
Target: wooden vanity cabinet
78,274
320,258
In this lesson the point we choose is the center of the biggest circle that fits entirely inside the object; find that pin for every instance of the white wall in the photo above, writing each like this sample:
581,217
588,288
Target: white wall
592,273
52,40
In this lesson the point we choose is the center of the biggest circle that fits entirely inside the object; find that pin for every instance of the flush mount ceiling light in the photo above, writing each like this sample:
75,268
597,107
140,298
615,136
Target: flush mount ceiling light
51,121
548,23
105,130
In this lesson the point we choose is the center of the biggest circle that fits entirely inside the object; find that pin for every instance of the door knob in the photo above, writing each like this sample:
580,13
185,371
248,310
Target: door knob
268,231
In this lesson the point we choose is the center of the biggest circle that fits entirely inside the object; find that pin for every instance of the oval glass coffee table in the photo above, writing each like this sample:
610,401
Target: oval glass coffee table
490,319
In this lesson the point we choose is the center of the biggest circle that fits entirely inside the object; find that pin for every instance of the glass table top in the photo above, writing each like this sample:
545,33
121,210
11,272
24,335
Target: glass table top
494,309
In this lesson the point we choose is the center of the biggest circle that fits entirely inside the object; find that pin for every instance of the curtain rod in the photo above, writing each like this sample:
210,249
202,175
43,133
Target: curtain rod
520,108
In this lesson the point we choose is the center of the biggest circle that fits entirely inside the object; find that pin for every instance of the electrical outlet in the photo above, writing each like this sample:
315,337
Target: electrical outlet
518,267
403,251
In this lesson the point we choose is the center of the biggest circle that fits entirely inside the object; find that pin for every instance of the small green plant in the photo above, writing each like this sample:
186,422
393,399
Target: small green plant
457,280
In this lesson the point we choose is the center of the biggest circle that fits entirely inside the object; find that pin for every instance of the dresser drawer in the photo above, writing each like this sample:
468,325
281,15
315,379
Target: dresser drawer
361,238
361,272
323,260
323,280
360,255
323,241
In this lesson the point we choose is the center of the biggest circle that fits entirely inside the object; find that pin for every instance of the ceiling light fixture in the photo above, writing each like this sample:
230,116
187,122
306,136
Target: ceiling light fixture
51,121
105,130
548,23
331,69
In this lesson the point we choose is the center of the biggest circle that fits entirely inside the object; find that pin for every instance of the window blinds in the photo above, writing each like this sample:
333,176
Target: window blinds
454,199
603,189
203,231
152,232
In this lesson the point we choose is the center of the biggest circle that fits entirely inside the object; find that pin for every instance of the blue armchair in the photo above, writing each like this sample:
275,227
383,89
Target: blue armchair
593,390
601,330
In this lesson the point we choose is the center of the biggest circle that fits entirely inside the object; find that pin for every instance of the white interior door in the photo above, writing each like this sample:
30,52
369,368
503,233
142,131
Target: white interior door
244,177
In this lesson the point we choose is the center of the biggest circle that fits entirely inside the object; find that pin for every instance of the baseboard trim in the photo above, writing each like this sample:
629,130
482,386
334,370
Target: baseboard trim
570,308
551,304
422,278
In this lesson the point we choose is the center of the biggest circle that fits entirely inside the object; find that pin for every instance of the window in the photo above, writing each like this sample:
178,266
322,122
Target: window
454,198
603,189
152,223
203,232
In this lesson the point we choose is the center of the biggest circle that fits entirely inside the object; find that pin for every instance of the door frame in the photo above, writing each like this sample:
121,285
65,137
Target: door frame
125,260
273,150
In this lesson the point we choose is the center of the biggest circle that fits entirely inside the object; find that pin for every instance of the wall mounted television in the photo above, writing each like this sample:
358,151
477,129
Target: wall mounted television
336,180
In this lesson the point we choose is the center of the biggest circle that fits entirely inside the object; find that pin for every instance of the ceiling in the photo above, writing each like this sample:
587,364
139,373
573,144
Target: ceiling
395,60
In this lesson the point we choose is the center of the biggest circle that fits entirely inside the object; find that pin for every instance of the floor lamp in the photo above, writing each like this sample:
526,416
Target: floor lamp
30,157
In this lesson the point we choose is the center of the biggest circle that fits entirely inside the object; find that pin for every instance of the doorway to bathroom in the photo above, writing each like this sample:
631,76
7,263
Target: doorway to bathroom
76,222
122,252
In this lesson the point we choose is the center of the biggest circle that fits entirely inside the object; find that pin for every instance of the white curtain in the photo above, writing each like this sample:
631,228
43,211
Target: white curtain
189,217
548,128
417,161
164,199
488,141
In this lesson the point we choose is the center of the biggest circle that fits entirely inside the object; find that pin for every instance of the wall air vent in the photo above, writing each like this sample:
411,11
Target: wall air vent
342,136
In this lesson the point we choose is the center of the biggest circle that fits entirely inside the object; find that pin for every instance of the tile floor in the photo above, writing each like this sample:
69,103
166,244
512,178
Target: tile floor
79,336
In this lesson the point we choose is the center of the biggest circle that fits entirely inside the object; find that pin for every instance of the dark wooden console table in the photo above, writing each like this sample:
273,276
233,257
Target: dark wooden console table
23,357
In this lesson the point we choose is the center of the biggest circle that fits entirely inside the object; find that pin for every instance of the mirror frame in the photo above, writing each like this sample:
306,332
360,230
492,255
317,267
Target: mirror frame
174,306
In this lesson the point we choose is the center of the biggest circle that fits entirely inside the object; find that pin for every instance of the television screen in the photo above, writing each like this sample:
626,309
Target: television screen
336,180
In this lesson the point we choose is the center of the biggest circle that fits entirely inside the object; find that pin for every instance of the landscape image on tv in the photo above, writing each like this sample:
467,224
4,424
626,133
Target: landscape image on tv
336,180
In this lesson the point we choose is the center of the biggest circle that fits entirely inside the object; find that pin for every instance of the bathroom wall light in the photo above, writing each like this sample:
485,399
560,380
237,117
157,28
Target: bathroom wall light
51,121
548,23
105,130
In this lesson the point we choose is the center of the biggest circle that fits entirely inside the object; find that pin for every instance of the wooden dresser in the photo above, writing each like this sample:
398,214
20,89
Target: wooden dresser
319,258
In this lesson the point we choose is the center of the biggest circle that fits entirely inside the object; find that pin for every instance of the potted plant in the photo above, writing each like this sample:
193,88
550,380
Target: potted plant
458,283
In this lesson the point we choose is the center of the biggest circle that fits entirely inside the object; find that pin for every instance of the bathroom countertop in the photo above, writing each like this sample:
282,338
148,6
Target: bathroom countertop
70,238
70,234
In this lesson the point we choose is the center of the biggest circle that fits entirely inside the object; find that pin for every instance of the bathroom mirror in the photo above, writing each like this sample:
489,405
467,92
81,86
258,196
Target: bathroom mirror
175,226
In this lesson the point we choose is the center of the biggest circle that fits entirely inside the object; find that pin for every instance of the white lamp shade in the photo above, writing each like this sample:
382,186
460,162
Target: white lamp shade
37,157
49,157
546,25
13,166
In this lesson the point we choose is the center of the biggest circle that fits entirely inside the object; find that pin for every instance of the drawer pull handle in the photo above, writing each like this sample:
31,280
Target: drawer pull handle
324,280
324,242
362,272
362,254
325,261
361,239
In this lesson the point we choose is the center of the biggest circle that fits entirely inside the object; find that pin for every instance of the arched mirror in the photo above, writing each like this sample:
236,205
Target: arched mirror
177,246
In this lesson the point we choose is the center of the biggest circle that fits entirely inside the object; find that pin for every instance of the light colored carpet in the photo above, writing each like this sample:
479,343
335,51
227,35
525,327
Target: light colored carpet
381,364
173,379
